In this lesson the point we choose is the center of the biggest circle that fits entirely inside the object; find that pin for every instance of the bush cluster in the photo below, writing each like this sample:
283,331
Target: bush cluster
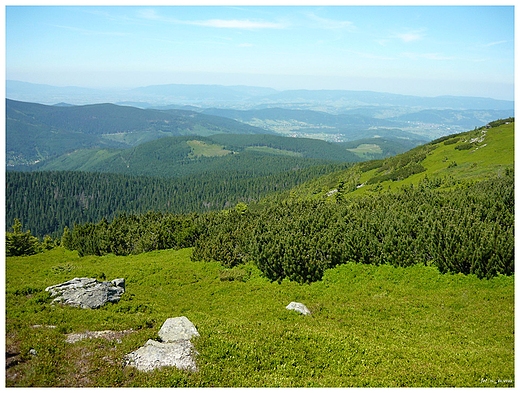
20,243
132,234
467,230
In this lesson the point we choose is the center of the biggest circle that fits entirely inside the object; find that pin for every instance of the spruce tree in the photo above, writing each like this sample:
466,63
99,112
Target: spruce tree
19,243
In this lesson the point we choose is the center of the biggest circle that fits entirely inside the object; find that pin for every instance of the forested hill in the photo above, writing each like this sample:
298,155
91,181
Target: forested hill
184,156
172,174
448,204
35,132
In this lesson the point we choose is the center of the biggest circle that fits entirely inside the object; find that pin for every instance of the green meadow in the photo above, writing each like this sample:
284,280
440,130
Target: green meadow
366,148
373,326
203,149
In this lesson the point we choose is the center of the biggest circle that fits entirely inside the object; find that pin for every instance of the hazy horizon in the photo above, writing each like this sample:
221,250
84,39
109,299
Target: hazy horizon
123,89
412,50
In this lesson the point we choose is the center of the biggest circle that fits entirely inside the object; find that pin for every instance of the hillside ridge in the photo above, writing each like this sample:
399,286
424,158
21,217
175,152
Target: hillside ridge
469,156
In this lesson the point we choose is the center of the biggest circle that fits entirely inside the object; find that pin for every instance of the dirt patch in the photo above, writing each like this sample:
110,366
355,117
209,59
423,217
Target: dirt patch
13,357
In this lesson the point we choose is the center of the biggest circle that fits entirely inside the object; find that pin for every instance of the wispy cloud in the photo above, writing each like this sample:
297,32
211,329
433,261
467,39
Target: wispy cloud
150,14
410,36
236,24
331,24
494,43
245,24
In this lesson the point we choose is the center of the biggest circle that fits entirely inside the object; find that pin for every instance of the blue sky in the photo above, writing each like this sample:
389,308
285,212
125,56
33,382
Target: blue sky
423,50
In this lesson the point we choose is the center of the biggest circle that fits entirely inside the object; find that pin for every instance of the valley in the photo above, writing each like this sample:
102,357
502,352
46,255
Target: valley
260,196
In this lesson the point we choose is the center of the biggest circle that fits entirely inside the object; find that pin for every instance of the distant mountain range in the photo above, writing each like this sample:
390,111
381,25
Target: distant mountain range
99,137
37,132
300,113
242,97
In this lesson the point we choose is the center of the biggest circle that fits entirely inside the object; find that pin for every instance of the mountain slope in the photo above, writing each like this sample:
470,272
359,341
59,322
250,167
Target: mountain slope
189,155
469,156
36,132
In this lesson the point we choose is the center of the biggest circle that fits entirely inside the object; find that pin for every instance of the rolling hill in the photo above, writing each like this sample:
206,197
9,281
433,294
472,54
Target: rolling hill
470,156
332,115
189,155
35,132
322,125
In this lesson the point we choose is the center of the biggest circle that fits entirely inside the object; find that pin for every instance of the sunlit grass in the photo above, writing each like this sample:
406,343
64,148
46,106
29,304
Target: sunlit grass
203,149
366,148
370,326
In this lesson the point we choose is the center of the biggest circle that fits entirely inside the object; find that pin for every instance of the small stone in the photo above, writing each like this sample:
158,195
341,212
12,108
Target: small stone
299,307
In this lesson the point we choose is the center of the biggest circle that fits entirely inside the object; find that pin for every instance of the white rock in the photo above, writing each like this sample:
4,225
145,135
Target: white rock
299,307
154,354
179,328
87,292
175,350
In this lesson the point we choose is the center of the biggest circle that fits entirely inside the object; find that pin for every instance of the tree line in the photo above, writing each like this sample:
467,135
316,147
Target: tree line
466,229
47,202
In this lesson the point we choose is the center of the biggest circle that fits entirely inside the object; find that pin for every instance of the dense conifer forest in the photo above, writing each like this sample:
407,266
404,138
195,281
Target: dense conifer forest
463,225
47,202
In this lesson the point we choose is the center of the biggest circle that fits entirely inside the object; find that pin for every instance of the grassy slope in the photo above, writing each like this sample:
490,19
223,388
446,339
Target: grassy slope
371,326
493,154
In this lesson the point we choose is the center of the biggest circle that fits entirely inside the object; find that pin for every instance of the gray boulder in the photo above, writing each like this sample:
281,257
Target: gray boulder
87,292
180,328
155,354
174,350
299,307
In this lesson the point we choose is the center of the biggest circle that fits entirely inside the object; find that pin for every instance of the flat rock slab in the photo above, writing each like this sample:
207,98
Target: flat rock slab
174,350
155,354
87,292
299,307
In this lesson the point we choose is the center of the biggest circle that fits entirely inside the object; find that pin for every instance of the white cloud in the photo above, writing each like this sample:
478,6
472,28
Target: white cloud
149,14
410,36
332,24
246,24
237,24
